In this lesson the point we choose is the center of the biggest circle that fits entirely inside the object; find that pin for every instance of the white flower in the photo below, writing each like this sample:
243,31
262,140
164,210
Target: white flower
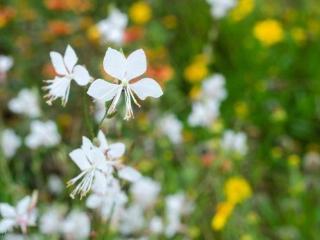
220,8
25,103
214,87
93,165
234,142
112,29
76,226
156,225
51,221
55,184
67,71
23,215
132,220
145,192
109,204
204,113
124,70
10,142
43,134
172,127
6,63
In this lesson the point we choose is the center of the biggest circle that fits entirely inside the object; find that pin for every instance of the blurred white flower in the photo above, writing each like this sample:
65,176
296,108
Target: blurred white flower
234,142
145,192
132,220
55,184
124,70
25,103
67,71
43,134
112,29
176,206
171,127
220,8
109,204
10,142
203,113
23,215
6,63
76,226
51,221
213,87
156,225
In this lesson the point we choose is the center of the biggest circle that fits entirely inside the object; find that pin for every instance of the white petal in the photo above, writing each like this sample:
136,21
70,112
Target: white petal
129,174
23,205
70,58
93,201
116,150
100,182
58,64
146,87
103,143
78,157
6,225
114,63
136,64
81,75
103,90
7,211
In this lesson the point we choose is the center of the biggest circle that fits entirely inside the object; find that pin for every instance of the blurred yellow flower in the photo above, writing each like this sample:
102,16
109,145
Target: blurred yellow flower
237,189
294,160
268,32
93,34
195,92
140,12
197,70
279,114
299,35
242,10
241,109
221,216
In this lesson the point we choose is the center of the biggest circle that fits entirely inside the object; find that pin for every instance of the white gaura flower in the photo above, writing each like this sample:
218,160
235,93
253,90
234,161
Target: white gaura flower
156,225
112,29
6,63
132,220
93,165
220,8
10,142
67,71
234,142
214,87
76,226
124,70
42,134
23,215
171,127
25,103
51,221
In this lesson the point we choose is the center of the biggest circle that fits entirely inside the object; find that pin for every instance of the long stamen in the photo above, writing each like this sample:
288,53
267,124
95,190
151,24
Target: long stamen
133,97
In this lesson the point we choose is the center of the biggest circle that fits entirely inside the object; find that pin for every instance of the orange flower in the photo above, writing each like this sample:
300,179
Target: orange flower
59,28
133,34
68,5
6,15
162,73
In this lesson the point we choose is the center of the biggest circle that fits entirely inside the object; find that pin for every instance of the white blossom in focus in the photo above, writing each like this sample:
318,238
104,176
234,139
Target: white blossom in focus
23,215
43,134
112,29
124,70
25,103
171,127
234,142
10,142
67,71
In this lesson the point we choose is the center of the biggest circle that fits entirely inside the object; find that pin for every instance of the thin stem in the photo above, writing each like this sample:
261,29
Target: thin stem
87,119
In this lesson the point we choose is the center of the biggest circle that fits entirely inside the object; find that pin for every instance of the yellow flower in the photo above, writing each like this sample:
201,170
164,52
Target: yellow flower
223,213
242,10
140,12
279,114
93,33
294,160
268,32
299,35
237,189
197,70
195,92
241,109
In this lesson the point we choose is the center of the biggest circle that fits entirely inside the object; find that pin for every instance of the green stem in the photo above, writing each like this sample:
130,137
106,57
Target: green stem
87,119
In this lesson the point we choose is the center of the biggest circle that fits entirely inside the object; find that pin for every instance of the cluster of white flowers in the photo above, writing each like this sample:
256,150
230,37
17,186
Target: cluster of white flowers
112,29
234,142
220,8
23,215
207,109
